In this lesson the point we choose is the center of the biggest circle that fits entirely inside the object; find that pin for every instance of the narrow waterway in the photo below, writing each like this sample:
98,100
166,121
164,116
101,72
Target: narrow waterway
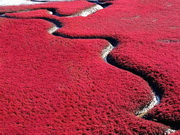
113,43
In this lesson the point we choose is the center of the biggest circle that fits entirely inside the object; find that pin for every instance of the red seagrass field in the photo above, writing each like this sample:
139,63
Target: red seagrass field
90,68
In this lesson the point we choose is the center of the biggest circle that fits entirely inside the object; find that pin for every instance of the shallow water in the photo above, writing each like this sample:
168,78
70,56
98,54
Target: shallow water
25,2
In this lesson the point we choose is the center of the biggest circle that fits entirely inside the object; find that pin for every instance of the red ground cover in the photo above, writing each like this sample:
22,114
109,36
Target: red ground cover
150,40
63,8
55,85
176,133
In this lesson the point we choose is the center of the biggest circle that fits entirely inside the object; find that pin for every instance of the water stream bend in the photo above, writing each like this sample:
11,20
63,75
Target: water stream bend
113,43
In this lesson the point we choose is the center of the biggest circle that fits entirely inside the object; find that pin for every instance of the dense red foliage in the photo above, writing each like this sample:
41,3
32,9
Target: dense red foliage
39,13
55,85
63,8
176,133
150,40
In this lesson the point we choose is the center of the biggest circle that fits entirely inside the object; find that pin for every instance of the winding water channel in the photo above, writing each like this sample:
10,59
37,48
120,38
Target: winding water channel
113,43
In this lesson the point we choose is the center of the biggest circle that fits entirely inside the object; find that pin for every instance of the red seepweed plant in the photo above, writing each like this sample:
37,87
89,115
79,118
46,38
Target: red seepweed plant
59,84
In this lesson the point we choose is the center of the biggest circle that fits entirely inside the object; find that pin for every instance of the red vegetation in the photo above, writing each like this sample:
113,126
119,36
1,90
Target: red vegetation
63,8
39,13
150,40
176,133
55,85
